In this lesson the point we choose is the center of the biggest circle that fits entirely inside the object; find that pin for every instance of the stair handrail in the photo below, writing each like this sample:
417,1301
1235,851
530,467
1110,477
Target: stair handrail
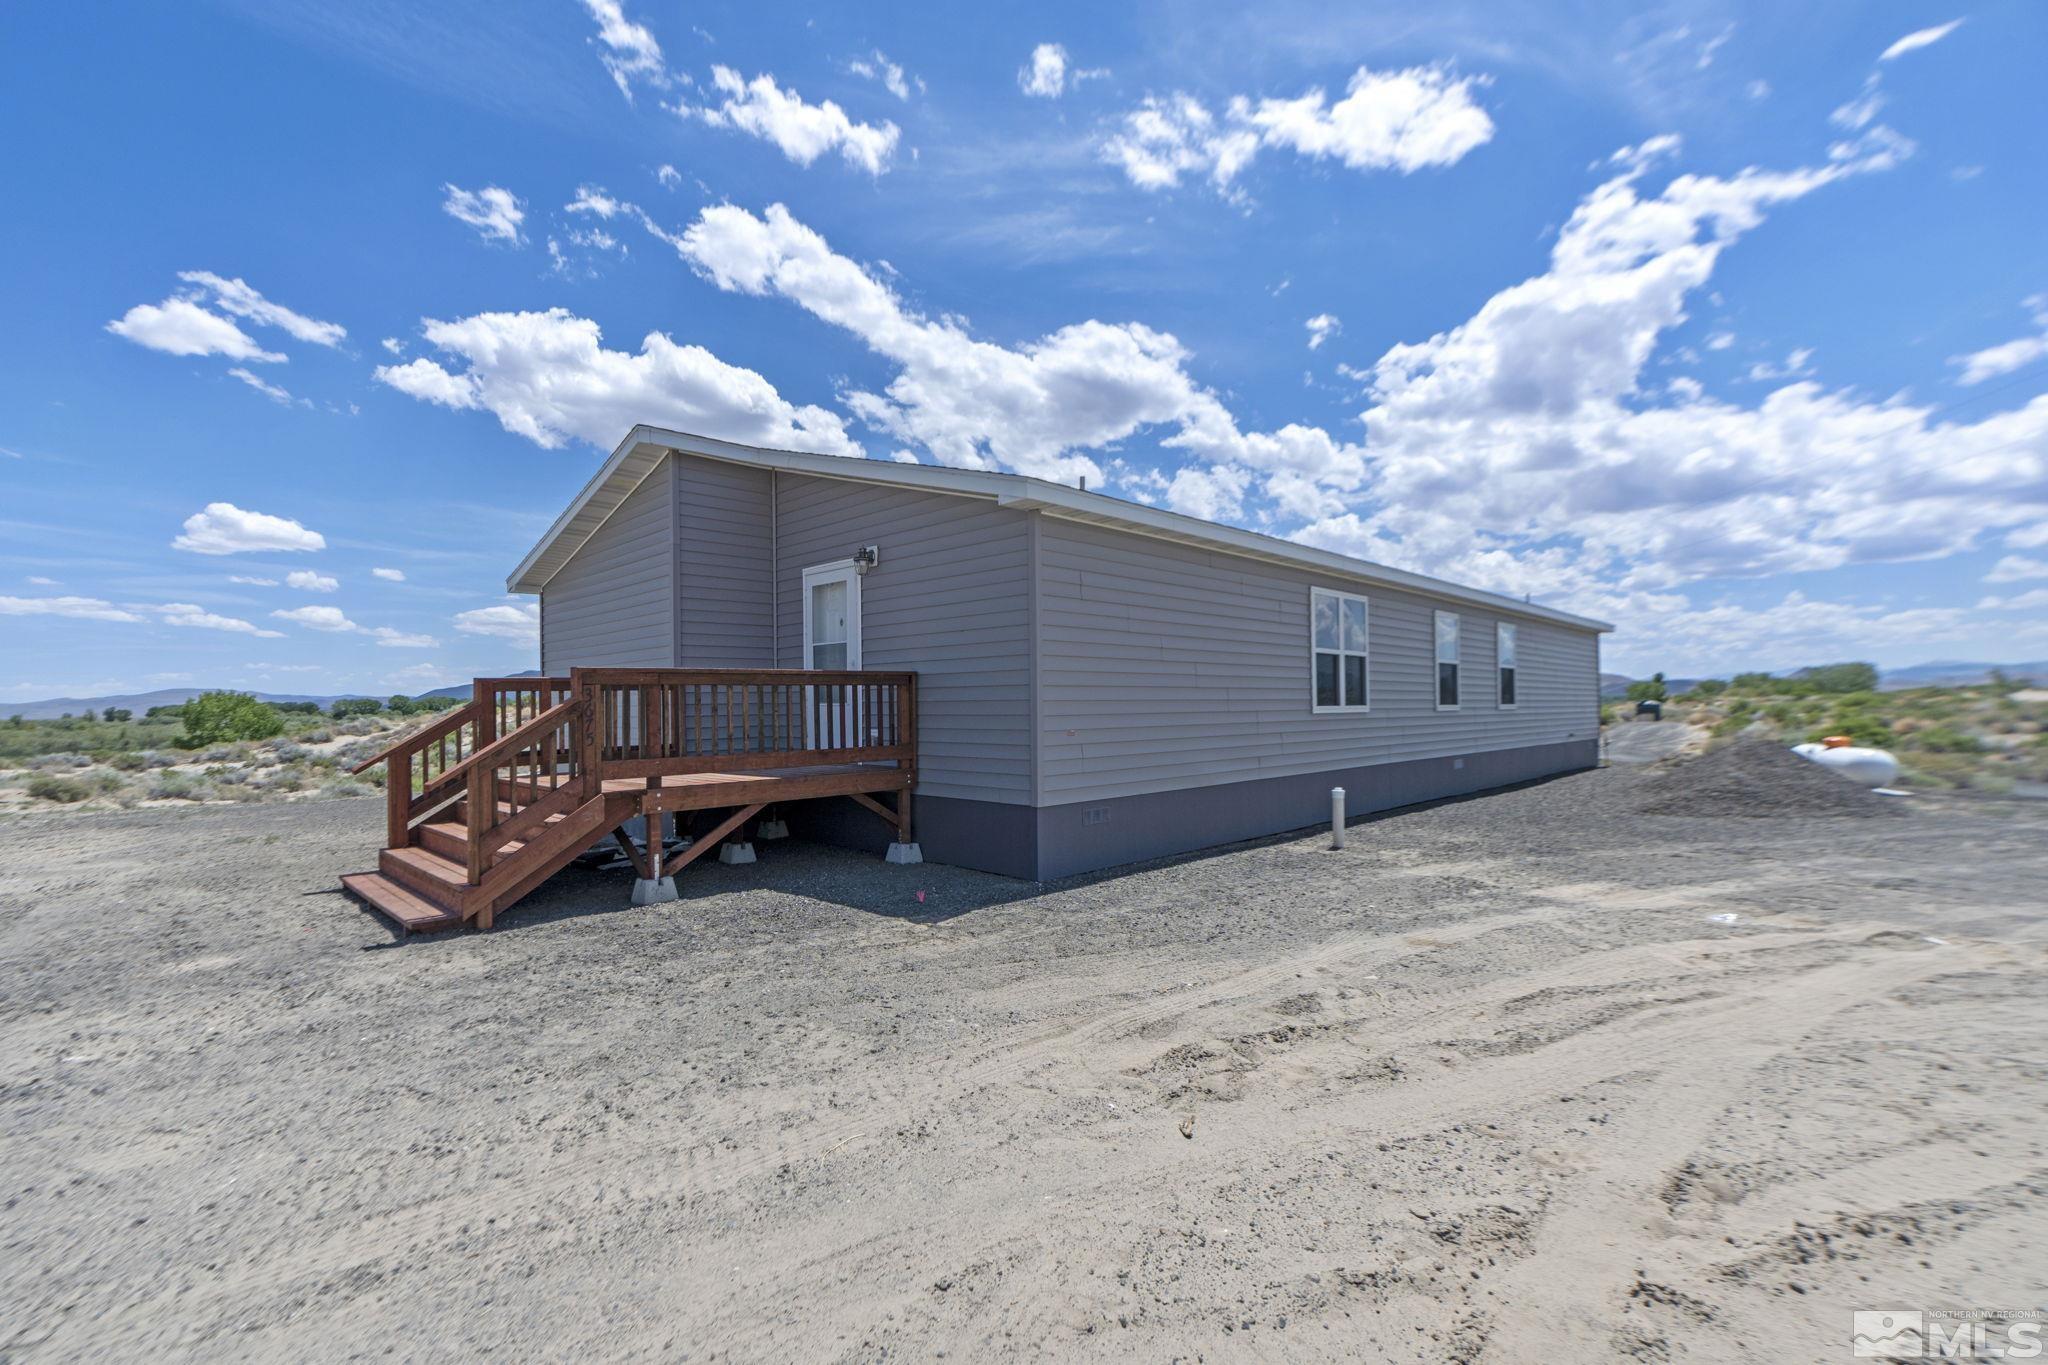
419,739
479,774
398,799
552,718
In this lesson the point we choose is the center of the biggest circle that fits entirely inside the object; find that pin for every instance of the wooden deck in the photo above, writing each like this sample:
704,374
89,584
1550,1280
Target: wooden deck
705,791
492,799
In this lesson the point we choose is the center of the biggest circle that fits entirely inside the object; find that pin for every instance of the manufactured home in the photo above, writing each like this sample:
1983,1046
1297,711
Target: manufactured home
1065,681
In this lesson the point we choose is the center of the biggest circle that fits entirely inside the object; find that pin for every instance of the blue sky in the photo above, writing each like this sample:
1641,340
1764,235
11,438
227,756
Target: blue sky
1726,323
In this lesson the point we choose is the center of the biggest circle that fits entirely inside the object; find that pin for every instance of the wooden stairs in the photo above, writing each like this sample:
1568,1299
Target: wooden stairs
424,886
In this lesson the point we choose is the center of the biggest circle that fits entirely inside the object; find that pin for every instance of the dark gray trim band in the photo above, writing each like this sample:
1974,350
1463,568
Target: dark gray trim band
1090,835
1038,844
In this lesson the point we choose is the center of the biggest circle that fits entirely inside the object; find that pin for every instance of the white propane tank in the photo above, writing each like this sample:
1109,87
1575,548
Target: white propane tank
1866,767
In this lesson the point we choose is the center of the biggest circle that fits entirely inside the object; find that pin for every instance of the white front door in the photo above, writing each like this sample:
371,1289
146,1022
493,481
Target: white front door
832,641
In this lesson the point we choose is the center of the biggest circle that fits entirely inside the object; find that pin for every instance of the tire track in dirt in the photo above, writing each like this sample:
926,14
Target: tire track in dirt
682,1172
1755,1020
1549,1316
696,1170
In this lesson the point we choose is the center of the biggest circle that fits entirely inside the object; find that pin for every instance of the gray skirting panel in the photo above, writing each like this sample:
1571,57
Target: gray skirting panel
1059,841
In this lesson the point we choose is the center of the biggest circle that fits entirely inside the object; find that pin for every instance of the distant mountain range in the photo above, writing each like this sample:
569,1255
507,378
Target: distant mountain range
1946,673
140,702
1949,674
469,689
1613,687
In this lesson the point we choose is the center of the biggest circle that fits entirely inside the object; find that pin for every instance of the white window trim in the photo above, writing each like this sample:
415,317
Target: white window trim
1437,661
1365,653
1501,631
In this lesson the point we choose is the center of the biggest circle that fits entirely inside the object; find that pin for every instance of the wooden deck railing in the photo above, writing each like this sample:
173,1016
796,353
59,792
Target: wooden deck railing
525,749
654,722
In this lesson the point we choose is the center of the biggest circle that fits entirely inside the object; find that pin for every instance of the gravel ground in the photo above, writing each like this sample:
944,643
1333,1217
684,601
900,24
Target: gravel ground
1525,1077
1758,779
1647,741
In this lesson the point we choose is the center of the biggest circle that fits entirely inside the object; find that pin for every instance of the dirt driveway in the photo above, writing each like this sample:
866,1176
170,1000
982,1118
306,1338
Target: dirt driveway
1521,1078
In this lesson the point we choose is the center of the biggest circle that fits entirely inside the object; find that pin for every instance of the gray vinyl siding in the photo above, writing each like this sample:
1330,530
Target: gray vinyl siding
1164,666
950,599
612,604
723,516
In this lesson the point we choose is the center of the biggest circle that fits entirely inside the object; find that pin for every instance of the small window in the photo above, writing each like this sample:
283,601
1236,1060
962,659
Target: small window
1447,661
1504,639
1339,625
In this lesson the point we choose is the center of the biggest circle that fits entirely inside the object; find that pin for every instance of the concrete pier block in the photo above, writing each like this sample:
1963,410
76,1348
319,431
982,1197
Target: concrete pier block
736,853
647,892
905,853
773,829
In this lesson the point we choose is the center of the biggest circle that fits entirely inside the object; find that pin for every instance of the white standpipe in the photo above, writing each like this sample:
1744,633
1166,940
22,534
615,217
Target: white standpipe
1336,817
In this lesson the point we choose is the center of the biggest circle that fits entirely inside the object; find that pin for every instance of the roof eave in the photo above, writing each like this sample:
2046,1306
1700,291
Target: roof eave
646,444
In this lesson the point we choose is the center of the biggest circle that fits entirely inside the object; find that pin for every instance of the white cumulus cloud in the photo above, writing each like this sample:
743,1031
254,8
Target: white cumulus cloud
512,621
221,528
305,580
629,50
803,132
334,621
79,608
1993,361
1321,328
178,326
1919,38
1045,75
183,325
495,213
1387,120
2017,569
548,377
236,296
880,68
1032,408
330,619
1522,450
276,393
592,199
389,575
199,618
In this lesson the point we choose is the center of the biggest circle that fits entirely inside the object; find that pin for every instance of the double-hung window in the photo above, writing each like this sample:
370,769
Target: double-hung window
1447,661
1338,649
1504,646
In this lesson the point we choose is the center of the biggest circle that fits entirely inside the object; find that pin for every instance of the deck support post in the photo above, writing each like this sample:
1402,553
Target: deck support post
905,849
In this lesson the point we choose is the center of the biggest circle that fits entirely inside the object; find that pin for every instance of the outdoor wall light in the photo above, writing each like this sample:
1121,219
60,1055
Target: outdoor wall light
866,557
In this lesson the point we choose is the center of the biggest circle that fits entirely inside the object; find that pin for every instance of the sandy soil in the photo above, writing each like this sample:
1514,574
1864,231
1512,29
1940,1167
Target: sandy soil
1502,1080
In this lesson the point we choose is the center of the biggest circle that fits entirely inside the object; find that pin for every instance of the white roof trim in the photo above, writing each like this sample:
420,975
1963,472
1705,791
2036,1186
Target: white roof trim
644,448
